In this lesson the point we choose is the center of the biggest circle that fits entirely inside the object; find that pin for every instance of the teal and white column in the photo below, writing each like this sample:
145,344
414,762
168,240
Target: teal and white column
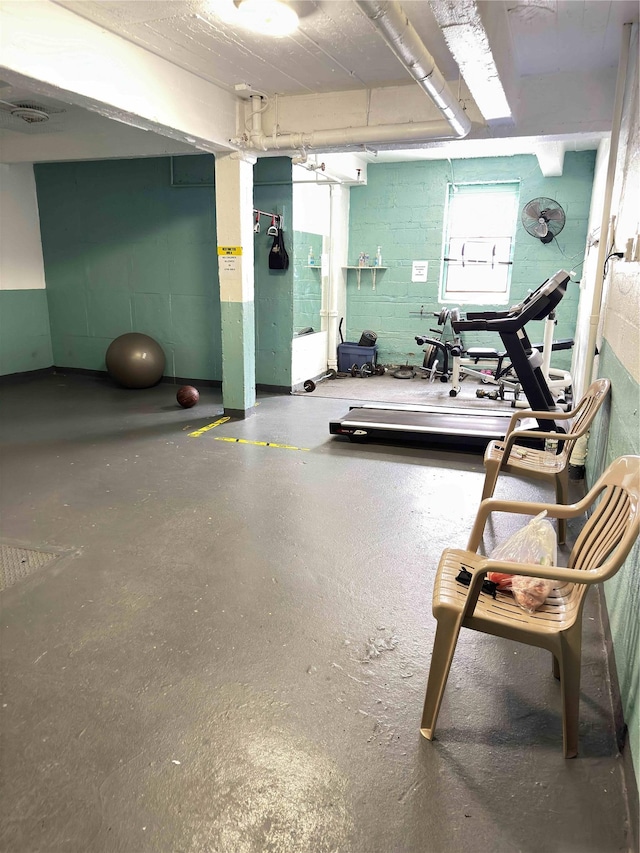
234,215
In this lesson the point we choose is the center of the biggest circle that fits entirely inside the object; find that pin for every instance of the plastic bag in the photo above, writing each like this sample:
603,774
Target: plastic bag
535,543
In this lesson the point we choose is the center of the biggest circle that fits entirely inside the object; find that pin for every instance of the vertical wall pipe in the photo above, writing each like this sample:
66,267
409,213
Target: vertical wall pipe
586,374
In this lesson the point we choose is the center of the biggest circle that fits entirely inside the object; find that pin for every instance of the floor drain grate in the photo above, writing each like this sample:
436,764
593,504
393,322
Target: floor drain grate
18,563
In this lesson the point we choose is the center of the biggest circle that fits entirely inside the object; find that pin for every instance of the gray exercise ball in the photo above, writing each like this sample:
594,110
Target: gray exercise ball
135,360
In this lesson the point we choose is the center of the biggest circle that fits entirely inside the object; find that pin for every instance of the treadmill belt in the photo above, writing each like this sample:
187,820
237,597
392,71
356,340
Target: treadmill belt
475,430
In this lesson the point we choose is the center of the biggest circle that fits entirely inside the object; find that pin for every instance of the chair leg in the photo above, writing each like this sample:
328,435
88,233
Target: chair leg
443,648
490,478
570,651
562,496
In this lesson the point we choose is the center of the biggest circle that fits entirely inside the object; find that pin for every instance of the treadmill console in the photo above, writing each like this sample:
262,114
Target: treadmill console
553,289
510,325
536,306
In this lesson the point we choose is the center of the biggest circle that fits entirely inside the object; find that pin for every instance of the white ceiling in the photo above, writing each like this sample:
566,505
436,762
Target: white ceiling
336,48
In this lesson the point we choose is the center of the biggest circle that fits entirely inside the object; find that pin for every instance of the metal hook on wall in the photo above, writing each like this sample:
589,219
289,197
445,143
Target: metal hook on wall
277,222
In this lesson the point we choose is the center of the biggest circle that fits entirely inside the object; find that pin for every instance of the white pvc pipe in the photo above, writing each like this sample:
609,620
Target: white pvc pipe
547,343
393,24
391,21
372,135
596,303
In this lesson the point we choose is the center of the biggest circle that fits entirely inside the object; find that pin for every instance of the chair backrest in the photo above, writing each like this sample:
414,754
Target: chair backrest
613,527
585,412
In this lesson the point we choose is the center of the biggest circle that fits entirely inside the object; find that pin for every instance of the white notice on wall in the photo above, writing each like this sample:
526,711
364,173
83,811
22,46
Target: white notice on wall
419,270
228,263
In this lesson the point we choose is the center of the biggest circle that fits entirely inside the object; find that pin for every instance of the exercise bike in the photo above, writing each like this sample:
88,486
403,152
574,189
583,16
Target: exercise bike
443,359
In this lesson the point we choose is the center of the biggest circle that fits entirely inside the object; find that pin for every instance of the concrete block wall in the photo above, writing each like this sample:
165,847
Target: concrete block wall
402,210
130,245
124,251
615,433
273,192
307,282
25,339
25,342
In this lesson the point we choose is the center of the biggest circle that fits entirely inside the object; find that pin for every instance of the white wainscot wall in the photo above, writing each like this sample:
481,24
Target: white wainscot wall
308,357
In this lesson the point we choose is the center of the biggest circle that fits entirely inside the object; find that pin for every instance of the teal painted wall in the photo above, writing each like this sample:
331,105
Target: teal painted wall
307,282
273,192
616,432
239,324
25,342
402,209
124,251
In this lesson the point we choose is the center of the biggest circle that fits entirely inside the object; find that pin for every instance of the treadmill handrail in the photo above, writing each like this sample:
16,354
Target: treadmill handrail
536,306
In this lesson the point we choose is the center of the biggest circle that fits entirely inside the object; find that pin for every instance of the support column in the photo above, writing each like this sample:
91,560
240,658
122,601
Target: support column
234,218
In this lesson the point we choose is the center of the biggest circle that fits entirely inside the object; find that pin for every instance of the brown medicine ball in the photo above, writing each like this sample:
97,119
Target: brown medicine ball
187,396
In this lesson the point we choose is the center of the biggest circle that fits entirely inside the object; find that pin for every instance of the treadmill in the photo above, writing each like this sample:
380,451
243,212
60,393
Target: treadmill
472,427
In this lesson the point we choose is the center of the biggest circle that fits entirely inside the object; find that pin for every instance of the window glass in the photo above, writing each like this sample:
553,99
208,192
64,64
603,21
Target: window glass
478,246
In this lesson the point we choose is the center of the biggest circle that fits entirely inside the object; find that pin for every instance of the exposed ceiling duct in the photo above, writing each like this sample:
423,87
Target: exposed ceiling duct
394,26
398,32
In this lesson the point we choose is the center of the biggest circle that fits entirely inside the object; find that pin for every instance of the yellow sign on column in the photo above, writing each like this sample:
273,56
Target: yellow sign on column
229,250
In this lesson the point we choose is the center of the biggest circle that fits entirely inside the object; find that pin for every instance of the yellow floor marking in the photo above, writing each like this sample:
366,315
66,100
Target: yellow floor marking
260,443
204,429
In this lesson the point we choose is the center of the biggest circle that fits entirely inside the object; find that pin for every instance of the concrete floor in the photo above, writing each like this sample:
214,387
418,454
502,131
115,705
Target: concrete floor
417,391
194,672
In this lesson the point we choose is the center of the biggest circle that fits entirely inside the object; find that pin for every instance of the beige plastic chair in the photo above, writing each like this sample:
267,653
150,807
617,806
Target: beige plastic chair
510,457
599,551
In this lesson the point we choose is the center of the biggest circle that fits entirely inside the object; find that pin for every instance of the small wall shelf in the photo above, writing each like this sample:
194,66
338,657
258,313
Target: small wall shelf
373,270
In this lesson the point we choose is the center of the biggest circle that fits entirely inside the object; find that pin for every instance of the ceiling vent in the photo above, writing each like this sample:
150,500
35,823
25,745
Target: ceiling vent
27,116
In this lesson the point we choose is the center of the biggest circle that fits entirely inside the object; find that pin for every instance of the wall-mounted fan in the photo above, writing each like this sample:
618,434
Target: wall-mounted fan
543,218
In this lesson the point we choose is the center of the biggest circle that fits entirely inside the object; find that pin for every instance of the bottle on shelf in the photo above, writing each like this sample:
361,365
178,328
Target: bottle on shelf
366,259
378,260
311,261
361,260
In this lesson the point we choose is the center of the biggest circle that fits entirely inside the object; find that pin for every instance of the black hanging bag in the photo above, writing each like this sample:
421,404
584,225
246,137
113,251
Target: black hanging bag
278,257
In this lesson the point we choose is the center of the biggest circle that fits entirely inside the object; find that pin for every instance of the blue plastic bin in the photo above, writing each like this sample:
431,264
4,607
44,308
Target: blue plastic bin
350,353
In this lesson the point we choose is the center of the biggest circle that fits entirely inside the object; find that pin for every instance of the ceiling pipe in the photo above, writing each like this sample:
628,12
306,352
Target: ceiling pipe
392,23
339,137
402,38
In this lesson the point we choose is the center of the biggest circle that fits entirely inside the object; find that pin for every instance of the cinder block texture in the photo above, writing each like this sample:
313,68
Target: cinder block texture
402,209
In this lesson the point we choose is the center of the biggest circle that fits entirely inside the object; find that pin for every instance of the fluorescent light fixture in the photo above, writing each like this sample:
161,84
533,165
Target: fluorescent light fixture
267,17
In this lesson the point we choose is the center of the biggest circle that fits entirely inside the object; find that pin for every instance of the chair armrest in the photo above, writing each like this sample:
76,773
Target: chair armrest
533,414
532,570
548,416
535,570
490,505
512,438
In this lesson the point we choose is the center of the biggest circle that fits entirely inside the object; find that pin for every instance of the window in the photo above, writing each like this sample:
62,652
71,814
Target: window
480,225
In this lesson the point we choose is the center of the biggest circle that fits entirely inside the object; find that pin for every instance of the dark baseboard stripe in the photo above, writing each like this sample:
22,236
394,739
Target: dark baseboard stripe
239,414
621,732
183,380
10,378
170,380
102,374
273,389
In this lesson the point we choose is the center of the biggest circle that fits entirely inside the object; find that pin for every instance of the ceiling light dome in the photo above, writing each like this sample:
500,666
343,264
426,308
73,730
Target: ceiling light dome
267,17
